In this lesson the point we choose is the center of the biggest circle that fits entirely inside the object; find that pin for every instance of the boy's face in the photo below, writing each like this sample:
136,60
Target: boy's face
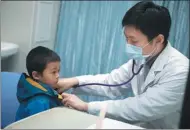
50,75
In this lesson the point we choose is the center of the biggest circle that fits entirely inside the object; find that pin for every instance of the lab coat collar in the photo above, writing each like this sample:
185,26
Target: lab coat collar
157,66
162,59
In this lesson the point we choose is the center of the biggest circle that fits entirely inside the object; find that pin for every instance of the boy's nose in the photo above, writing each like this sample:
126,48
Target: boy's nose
57,76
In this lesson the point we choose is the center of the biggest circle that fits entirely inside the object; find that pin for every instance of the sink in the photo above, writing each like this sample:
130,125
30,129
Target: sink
8,49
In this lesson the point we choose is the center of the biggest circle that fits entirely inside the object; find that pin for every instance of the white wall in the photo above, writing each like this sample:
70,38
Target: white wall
55,18
17,25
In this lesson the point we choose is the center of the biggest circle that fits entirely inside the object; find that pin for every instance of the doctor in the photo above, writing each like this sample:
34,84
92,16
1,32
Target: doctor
158,88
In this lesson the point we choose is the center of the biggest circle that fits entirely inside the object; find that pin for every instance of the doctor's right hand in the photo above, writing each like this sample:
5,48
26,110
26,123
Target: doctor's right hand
66,83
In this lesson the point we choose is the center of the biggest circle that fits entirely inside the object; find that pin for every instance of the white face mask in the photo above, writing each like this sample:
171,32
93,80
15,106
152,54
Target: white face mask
136,53
146,56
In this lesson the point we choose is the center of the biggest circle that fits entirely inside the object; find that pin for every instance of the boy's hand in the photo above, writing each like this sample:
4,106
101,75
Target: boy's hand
66,83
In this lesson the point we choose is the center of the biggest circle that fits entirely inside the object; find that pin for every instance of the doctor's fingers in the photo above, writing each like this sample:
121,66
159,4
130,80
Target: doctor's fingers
67,99
67,104
65,95
60,90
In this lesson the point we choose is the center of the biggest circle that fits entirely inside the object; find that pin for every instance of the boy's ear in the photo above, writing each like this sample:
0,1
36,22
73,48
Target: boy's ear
36,75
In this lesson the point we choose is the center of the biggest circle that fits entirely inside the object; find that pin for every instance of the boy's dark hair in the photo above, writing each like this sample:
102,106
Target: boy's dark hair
38,58
150,19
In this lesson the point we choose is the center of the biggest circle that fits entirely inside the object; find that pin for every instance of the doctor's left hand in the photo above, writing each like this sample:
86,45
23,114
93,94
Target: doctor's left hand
71,100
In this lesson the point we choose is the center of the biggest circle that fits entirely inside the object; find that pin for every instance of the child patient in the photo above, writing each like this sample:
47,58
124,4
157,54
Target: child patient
35,92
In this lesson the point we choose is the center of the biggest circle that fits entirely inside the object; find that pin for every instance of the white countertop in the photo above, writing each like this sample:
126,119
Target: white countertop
64,118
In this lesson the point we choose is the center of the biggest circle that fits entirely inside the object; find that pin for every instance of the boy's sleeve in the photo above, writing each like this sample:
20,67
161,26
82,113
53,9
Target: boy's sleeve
38,104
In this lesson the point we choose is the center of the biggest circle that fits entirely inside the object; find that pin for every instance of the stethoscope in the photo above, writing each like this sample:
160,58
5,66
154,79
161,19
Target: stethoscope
115,85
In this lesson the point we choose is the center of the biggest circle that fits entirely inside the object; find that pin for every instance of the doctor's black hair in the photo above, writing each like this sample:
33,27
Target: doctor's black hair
38,58
150,19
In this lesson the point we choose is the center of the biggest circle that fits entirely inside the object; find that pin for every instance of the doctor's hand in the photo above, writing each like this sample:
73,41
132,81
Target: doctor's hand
66,83
71,100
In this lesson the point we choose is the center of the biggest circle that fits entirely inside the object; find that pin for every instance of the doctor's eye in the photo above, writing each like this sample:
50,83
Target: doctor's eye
134,42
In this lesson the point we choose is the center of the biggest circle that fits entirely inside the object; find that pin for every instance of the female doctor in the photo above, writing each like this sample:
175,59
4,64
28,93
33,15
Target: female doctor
156,72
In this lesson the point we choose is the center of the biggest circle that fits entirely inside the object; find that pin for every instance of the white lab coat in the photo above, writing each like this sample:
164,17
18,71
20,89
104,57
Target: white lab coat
158,99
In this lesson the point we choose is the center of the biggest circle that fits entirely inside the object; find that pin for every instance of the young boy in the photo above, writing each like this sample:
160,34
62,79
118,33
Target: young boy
35,92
